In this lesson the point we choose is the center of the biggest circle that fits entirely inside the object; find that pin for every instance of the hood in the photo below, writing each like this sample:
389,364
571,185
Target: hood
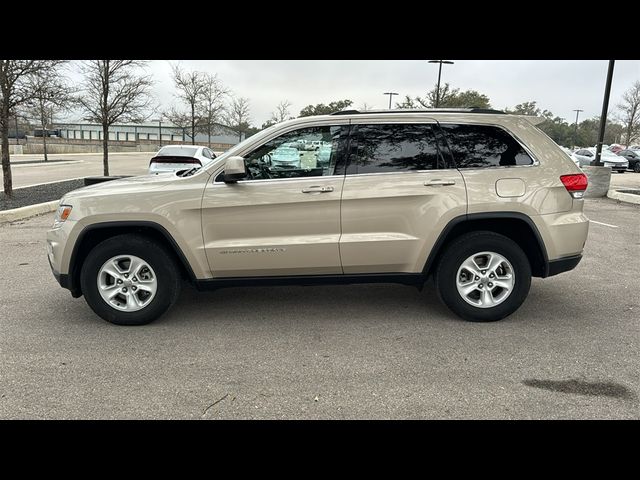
125,185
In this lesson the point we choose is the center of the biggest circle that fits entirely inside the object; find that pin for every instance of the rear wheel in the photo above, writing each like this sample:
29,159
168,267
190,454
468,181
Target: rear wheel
130,280
483,277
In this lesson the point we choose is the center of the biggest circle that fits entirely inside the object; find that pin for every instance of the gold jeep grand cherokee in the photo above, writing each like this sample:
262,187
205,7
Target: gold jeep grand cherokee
479,200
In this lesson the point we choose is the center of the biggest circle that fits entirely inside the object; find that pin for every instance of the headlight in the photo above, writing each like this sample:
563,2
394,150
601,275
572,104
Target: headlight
61,215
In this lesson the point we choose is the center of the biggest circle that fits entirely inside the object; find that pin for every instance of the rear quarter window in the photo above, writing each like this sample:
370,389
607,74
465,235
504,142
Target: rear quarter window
477,146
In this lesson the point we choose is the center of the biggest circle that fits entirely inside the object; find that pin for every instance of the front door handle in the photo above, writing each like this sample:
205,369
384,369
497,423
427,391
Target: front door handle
438,183
317,189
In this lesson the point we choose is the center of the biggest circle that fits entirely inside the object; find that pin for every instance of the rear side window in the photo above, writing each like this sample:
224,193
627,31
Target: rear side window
393,148
476,146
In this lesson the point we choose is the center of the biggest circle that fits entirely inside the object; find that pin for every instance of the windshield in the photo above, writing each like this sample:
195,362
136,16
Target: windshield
177,152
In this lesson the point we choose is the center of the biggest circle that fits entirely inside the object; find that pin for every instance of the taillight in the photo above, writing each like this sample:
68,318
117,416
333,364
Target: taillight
575,184
186,160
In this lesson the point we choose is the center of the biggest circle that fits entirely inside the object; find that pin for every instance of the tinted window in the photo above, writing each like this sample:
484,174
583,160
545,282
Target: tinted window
484,146
393,148
308,152
206,153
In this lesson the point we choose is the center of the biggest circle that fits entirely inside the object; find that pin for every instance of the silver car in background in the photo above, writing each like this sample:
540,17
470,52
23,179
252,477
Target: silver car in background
586,155
172,158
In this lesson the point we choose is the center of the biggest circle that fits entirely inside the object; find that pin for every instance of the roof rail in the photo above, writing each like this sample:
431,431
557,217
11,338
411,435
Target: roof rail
423,110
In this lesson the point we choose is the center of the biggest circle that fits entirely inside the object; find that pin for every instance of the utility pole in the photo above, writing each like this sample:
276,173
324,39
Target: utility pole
448,62
603,117
391,94
575,133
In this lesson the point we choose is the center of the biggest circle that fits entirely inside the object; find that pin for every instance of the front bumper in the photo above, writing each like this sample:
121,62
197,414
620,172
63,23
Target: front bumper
58,239
64,280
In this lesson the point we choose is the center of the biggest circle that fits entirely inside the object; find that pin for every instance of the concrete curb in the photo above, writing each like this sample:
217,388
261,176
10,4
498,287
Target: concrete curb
45,164
624,197
28,211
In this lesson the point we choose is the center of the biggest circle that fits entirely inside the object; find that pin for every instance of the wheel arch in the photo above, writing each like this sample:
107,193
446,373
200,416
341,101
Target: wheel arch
514,225
93,234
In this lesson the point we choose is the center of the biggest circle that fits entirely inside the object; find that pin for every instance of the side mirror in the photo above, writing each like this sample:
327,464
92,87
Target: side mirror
234,169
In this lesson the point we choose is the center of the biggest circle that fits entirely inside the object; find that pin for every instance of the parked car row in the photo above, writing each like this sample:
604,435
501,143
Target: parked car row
617,157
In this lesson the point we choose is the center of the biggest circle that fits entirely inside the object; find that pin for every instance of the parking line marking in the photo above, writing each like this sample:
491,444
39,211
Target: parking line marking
605,224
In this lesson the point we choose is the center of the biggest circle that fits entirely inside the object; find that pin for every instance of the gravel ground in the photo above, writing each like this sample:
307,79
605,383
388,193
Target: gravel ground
38,194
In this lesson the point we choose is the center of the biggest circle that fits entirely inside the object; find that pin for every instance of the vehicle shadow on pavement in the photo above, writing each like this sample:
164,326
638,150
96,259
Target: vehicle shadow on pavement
379,301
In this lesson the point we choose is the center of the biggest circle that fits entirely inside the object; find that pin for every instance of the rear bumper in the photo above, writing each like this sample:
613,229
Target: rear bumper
554,267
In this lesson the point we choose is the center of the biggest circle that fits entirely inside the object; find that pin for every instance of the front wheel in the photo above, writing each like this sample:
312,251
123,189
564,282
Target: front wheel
130,280
636,167
483,276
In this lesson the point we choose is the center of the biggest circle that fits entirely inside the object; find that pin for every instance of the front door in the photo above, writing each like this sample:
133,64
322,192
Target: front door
284,217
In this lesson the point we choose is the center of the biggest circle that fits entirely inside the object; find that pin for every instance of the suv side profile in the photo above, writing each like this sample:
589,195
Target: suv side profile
478,200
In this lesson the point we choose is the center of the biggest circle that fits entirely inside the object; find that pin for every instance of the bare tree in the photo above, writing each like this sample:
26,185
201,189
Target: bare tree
14,93
50,93
114,91
212,104
237,117
282,112
629,112
190,88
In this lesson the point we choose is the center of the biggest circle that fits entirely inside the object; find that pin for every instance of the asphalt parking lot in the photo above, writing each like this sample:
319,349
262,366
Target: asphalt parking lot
334,352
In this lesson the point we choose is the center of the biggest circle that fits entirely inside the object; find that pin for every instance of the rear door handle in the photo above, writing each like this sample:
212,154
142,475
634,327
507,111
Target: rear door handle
438,183
317,189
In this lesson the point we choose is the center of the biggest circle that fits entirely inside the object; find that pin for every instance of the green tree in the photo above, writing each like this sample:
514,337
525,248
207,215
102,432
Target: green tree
322,109
408,103
454,98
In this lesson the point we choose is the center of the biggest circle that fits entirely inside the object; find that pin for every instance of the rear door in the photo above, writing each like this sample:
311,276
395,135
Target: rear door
399,192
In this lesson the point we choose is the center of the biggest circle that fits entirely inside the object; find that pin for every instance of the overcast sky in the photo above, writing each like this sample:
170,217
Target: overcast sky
557,85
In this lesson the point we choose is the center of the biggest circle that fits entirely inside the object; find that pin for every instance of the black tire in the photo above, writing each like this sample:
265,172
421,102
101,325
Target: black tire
159,259
636,167
621,171
461,249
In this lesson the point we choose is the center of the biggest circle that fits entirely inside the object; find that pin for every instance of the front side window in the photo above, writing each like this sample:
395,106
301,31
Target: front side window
308,152
476,146
393,148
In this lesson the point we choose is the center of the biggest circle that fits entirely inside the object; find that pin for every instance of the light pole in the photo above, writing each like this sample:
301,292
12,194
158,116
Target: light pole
603,117
159,131
575,133
448,62
391,94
